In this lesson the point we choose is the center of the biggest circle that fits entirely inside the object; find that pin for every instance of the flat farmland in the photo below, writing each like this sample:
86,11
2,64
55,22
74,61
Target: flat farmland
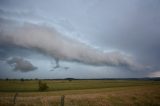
81,93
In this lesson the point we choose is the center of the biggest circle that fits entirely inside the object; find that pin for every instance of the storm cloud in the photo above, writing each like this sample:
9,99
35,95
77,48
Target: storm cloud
20,64
48,41
108,37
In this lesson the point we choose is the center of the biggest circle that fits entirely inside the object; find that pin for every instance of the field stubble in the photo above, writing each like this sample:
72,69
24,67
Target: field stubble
121,93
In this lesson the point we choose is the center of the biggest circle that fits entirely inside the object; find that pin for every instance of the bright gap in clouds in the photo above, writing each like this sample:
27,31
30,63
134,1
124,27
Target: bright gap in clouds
154,74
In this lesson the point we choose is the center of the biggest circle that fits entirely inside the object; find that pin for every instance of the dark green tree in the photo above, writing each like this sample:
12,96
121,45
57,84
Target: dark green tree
22,79
7,79
42,86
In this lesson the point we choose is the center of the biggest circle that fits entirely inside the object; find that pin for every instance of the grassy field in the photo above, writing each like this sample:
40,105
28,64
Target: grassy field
81,93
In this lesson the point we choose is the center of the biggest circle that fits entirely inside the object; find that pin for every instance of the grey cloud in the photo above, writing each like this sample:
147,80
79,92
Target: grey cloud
20,64
128,26
57,65
48,41
23,14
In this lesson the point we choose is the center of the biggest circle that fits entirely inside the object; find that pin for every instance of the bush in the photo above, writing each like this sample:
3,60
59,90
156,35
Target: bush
42,86
22,80
69,79
7,79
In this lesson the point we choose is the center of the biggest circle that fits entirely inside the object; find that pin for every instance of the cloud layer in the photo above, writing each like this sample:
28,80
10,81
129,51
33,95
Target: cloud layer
20,64
48,41
130,27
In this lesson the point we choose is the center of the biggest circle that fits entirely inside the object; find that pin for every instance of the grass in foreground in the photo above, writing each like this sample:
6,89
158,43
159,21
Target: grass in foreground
60,85
119,93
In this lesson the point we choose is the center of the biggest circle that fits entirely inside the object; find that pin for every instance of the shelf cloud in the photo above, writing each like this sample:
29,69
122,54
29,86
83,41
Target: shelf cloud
49,41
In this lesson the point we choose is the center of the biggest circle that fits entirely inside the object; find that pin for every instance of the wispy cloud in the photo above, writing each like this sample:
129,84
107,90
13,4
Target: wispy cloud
20,64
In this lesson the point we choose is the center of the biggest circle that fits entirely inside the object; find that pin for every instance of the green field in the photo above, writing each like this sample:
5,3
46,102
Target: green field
81,93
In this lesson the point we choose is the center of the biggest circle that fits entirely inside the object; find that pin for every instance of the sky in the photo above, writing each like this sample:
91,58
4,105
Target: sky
79,38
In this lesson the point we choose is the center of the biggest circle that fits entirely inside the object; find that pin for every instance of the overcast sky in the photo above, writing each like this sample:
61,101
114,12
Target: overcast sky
79,38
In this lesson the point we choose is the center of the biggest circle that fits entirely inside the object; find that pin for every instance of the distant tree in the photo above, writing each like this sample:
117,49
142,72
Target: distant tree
7,79
22,79
42,86
36,79
69,79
